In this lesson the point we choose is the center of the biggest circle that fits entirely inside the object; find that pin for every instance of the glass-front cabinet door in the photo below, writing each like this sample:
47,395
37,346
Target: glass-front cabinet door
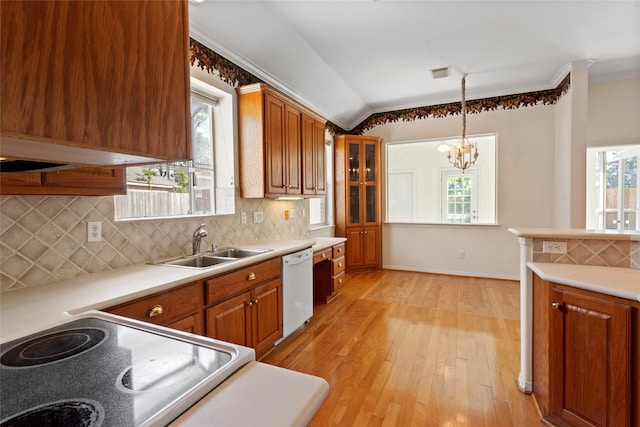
355,184
370,183
363,183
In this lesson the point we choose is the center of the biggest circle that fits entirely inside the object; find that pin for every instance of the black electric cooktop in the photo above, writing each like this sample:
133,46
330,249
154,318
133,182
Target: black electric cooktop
96,372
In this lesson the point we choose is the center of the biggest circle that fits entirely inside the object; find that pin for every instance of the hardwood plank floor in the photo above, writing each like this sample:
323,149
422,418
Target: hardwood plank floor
415,349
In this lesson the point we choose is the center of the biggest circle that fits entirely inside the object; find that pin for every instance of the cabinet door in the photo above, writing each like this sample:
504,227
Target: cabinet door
266,307
275,145
293,168
590,360
282,147
89,181
370,246
230,320
113,76
313,156
369,174
355,257
192,324
355,186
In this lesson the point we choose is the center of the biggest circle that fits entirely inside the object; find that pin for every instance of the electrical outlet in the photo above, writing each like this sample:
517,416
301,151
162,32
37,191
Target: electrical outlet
258,217
461,254
554,247
94,231
243,217
292,213
304,213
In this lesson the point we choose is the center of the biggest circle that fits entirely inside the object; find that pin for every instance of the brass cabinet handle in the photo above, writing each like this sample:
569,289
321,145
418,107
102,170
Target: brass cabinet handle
340,281
255,301
251,276
324,255
156,310
556,305
339,265
250,303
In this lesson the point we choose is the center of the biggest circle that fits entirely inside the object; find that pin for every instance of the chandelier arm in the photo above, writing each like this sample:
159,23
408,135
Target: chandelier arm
464,109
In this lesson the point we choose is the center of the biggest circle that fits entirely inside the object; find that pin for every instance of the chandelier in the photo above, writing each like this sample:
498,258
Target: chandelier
464,153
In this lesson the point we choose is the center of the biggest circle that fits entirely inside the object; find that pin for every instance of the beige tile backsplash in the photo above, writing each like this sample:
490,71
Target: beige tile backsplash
610,253
43,238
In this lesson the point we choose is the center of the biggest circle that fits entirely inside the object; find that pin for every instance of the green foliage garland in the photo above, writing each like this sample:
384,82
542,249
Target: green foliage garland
235,76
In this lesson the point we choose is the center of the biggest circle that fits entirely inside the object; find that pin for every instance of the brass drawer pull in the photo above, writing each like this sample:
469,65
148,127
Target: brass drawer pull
251,276
255,301
324,255
556,305
156,310
340,281
339,265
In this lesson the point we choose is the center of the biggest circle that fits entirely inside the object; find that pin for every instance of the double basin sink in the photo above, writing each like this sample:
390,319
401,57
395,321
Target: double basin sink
210,259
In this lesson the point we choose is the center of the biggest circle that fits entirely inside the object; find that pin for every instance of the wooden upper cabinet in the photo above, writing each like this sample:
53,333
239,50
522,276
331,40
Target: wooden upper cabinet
272,151
89,181
95,82
314,161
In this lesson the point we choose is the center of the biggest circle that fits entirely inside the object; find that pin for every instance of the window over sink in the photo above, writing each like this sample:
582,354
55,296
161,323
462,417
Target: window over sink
201,186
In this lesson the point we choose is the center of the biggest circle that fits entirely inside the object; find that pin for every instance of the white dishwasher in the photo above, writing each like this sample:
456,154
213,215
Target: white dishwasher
297,290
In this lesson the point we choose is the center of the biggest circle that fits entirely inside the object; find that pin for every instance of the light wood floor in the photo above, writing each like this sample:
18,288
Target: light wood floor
415,349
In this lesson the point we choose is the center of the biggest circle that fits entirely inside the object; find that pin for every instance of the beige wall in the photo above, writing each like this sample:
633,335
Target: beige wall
614,112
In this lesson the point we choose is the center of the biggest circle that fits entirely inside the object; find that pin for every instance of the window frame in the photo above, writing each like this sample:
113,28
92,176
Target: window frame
222,139
429,205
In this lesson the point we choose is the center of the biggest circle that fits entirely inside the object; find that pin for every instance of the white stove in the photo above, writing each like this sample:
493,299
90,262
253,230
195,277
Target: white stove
103,370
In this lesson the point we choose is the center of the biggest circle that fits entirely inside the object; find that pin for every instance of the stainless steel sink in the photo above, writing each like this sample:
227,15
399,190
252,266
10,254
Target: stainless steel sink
238,253
197,261
213,258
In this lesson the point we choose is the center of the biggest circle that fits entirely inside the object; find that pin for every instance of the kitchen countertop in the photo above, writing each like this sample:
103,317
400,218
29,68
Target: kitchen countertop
326,242
27,310
259,395
619,282
553,233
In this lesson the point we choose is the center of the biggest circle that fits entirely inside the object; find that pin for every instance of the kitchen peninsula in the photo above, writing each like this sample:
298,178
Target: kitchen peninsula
580,327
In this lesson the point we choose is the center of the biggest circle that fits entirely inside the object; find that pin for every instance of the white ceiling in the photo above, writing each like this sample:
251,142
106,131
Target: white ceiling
349,59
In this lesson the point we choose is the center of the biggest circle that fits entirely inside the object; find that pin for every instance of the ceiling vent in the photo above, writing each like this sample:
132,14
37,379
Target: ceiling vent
439,73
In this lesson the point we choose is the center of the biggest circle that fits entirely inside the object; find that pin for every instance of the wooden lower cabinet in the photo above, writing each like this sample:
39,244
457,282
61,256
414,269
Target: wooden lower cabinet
245,306
242,307
363,248
329,273
180,308
252,319
585,349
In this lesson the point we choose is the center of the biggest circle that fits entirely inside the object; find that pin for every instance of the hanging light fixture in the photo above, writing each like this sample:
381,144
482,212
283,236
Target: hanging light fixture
464,153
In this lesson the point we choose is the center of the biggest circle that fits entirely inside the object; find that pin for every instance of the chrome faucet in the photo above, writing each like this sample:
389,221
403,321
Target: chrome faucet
197,238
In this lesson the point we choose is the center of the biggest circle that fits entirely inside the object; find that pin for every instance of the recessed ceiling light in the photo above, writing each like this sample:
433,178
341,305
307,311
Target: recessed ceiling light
439,73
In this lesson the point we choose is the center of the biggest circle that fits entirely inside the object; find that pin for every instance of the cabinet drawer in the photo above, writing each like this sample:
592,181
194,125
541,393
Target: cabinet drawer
338,265
322,255
338,282
338,250
163,308
227,285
